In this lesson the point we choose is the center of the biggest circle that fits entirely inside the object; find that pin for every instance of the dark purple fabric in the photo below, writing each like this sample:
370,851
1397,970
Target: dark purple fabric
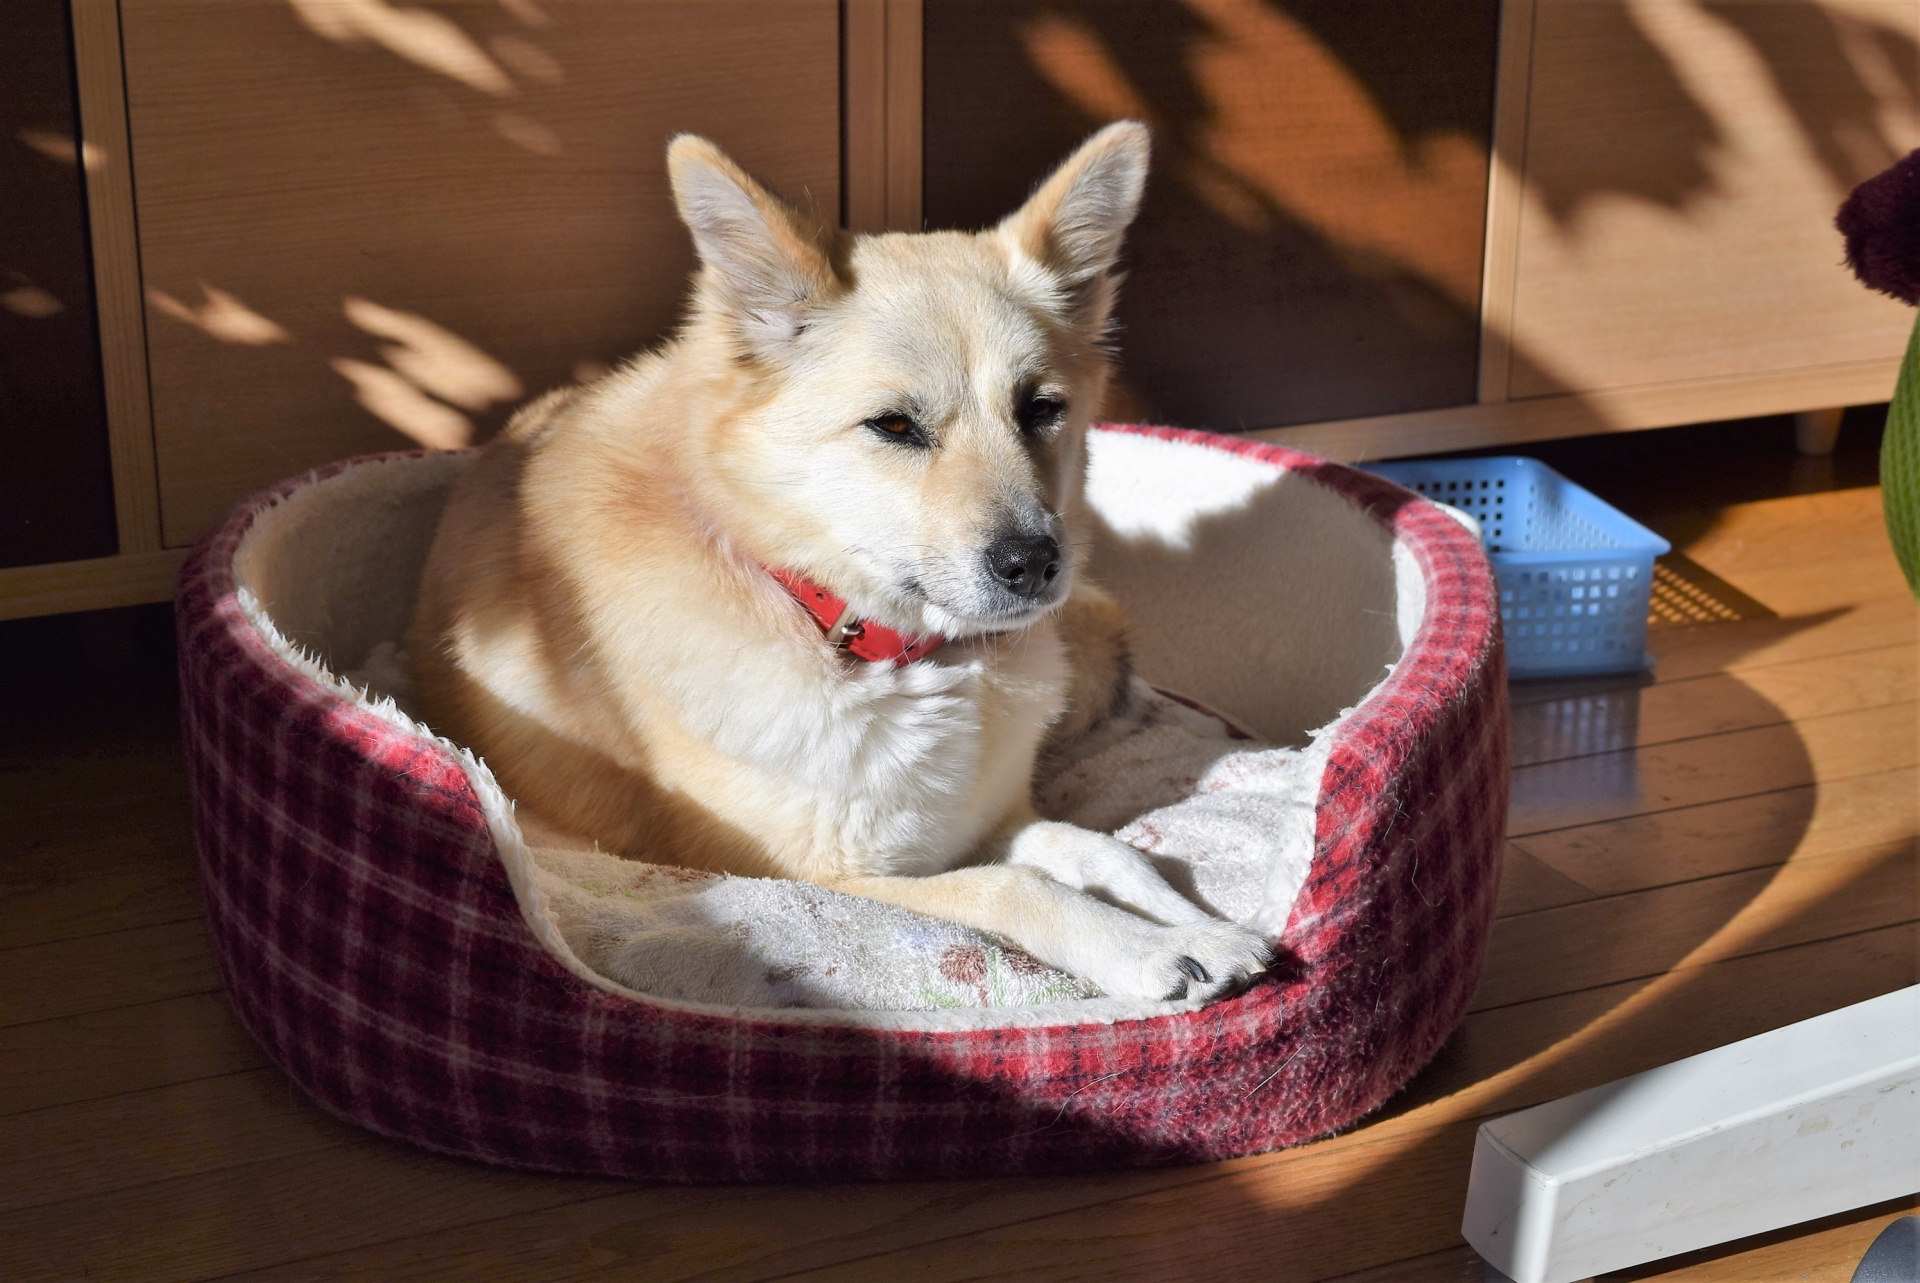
371,941
1881,224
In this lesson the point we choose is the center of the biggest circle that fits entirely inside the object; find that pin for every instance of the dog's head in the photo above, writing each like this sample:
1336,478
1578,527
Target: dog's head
902,417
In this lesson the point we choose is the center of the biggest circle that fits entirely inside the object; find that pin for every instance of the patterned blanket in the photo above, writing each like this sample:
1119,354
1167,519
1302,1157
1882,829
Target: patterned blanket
1156,776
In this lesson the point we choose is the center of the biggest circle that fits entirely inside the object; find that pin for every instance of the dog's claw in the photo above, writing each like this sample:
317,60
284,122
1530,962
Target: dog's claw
1204,961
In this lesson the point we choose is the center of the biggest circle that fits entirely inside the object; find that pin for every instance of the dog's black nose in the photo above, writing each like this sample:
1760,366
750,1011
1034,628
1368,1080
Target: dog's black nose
1024,564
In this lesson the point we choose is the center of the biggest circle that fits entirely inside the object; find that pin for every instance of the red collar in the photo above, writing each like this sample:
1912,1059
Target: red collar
847,632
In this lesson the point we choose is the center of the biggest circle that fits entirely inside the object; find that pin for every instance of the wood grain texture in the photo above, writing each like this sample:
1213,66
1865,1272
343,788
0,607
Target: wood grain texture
1666,929
1627,409
1682,166
97,584
1311,242
1506,191
113,227
863,114
101,972
98,1147
303,1202
124,1049
365,230
887,1230
1631,716
1874,622
905,61
1609,786
880,78
1528,884
1615,857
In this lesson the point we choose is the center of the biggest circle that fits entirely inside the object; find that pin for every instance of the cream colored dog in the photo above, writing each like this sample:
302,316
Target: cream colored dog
638,599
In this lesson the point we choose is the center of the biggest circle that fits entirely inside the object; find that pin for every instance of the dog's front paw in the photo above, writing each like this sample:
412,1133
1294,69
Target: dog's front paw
1204,960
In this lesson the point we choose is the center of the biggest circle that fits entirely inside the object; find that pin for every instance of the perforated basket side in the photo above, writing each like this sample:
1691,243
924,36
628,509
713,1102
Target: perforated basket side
1569,614
1498,493
1575,573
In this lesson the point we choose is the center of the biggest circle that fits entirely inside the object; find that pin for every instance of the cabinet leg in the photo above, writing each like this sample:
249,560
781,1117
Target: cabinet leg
1816,431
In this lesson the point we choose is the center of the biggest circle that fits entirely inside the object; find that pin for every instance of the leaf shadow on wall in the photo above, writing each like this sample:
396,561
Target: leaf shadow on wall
1311,244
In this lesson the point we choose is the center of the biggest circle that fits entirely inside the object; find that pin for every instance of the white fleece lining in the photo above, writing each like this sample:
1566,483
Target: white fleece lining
1189,538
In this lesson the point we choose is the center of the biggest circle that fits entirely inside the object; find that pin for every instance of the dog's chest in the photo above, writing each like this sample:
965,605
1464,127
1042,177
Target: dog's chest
906,770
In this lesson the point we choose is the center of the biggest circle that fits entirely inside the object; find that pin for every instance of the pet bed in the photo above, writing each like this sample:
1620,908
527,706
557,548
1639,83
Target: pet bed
390,930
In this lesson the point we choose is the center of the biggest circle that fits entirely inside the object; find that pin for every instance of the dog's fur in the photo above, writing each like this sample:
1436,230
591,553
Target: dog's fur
872,412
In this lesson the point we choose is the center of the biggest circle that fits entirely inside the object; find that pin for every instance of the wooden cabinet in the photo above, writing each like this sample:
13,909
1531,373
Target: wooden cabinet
56,486
1660,240
321,227
1310,245
1678,177
366,228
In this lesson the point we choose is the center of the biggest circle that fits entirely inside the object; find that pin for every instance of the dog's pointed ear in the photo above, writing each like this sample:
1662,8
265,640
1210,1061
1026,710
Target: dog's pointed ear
1074,222
766,260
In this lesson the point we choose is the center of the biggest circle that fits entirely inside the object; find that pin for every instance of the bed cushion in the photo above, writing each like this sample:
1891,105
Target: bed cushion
385,926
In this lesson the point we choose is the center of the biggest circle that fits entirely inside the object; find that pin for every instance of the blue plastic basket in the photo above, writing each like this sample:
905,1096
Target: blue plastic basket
1576,574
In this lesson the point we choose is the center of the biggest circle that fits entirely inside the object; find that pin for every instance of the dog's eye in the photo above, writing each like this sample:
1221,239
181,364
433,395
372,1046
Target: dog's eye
897,427
1037,412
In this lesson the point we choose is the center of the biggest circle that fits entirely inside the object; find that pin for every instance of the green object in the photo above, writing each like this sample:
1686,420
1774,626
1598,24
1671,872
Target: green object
1900,465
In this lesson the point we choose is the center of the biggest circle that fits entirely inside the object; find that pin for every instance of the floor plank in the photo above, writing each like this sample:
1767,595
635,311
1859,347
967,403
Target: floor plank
1887,619
98,973
1578,725
281,1208
44,903
134,1138
1529,884
1646,933
1455,1265
1500,1060
1612,786
132,1048
1689,842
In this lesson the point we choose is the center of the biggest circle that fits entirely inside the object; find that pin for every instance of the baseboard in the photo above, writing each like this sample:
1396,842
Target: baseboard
1668,405
97,584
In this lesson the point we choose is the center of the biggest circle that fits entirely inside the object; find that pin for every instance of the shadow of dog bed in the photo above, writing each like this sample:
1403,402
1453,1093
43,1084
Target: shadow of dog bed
385,931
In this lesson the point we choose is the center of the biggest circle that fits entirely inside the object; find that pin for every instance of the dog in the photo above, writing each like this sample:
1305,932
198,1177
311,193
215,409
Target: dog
798,594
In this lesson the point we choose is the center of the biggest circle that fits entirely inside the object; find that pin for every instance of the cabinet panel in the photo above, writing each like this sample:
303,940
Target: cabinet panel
56,486
365,226
1311,243
1681,170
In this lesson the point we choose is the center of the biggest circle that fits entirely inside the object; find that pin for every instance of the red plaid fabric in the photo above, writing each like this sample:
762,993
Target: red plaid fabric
370,940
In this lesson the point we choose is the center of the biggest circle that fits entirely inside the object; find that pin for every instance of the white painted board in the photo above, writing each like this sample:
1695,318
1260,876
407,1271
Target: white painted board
1802,1122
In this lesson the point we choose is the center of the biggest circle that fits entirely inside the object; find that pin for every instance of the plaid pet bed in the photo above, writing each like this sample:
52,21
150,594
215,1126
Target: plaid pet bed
371,941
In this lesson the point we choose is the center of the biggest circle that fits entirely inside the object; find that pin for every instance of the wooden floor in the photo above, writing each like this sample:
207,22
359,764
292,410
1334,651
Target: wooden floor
1696,858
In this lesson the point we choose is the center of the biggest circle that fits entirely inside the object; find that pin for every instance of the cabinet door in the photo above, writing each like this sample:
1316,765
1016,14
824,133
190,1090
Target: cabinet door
56,490
1682,163
1311,243
369,225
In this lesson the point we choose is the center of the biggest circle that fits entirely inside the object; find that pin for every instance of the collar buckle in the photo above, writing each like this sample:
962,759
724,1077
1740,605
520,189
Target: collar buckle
846,630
